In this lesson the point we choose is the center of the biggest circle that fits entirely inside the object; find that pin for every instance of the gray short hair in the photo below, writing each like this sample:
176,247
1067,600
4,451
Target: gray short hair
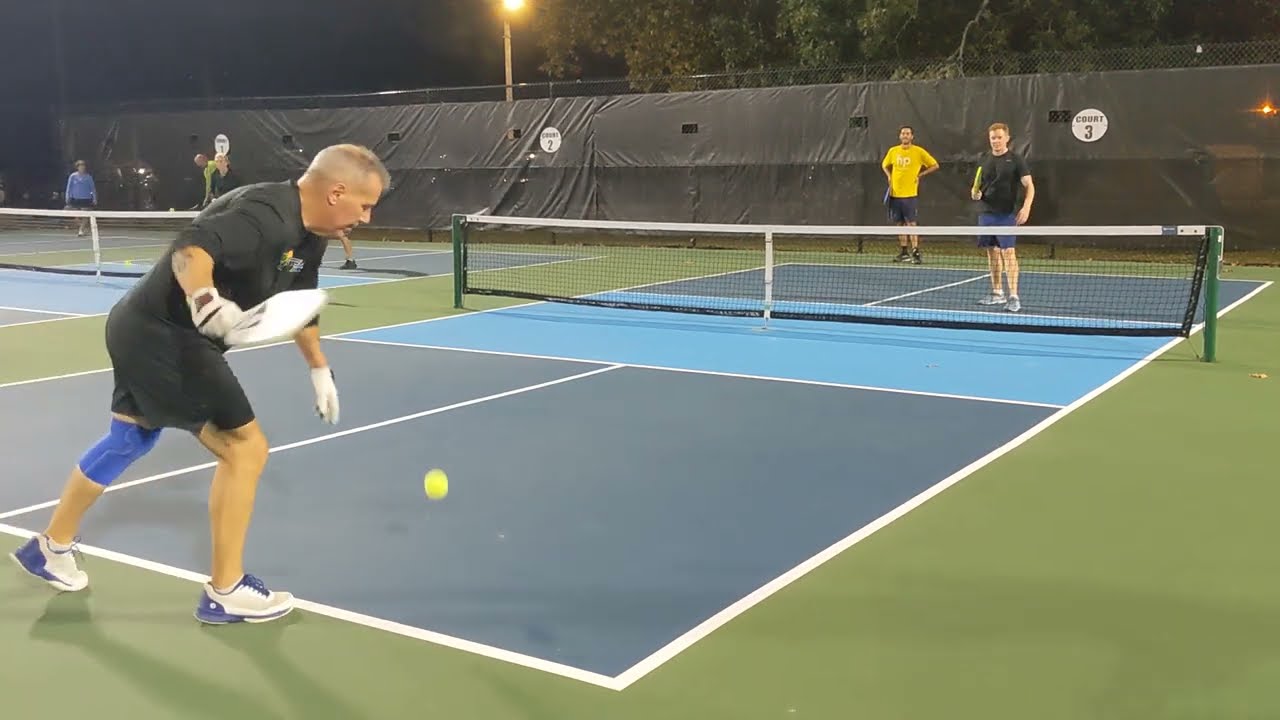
346,162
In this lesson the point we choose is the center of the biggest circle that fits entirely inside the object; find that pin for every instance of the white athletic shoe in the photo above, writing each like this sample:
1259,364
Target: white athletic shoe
59,569
992,299
249,601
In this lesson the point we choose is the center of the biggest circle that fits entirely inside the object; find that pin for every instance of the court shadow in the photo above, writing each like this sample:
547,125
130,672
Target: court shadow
68,621
262,646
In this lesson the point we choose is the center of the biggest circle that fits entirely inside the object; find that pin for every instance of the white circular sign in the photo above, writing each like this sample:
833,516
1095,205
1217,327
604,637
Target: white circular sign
550,140
1089,125
222,144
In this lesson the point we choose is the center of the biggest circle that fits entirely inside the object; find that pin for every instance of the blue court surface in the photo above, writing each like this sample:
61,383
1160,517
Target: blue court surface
72,295
618,478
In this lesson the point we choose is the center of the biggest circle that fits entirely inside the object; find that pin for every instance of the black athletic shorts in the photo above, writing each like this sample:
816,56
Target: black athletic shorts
170,376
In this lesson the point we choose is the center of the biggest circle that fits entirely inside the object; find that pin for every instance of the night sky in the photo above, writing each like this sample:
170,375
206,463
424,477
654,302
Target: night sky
120,50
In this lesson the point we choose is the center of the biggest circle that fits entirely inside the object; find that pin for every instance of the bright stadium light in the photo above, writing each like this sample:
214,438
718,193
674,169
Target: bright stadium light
512,5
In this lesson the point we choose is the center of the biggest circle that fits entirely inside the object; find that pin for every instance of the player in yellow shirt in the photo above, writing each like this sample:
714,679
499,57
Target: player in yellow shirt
903,166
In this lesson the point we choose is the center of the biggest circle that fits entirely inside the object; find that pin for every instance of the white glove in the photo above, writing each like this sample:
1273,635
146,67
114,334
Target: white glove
213,314
326,394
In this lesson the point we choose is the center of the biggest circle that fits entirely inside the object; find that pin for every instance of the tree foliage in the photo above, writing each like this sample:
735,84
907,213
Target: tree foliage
658,37
676,37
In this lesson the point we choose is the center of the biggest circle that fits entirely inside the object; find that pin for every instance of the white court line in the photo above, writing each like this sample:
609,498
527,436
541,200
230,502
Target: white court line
710,625
669,651
781,305
46,321
333,435
387,257
692,371
668,303
41,312
332,336
64,376
52,237
78,248
944,268
337,613
448,641
926,290
143,264
357,281
532,265
60,316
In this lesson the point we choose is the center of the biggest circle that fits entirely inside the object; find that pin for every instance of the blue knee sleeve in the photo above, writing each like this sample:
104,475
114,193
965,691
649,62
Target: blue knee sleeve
116,451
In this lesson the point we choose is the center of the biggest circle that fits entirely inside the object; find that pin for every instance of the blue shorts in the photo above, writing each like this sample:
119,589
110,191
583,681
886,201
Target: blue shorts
902,209
1004,242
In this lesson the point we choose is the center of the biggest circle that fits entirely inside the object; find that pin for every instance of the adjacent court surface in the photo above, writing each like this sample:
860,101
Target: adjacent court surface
666,515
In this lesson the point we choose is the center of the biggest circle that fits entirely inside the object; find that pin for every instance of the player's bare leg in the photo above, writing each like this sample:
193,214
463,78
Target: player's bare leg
915,244
242,455
78,495
49,556
994,262
1009,257
902,245
350,264
231,595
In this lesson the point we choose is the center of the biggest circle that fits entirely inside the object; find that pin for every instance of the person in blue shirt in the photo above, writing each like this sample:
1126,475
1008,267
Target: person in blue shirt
81,192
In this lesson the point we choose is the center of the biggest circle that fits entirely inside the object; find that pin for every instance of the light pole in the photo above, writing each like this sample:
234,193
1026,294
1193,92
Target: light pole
509,7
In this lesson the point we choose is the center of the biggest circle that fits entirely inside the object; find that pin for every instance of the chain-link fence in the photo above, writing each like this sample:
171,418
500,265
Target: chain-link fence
997,64
990,64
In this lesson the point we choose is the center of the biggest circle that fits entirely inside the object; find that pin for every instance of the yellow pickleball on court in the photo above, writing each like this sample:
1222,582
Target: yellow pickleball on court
436,484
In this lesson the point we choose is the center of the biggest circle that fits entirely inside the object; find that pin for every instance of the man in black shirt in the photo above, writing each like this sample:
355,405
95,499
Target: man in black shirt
224,179
997,184
165,339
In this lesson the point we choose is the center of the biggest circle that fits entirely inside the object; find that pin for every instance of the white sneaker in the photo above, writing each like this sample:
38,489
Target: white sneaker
59,569
992,299
249,601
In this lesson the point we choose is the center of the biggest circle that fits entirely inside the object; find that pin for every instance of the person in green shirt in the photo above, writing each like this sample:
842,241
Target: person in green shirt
206,165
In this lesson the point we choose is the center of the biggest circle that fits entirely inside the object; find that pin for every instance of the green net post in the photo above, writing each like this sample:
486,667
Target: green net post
459,267
1212,271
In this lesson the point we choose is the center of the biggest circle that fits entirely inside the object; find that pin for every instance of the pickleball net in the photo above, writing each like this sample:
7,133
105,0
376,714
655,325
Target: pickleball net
123,245
1117,280
117,244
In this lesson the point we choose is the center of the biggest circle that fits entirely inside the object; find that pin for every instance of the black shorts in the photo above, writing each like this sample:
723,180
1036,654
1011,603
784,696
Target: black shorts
170,376
902,210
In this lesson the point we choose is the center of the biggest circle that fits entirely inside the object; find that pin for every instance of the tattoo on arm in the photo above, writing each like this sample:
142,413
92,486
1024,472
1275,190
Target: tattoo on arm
192,268
180,261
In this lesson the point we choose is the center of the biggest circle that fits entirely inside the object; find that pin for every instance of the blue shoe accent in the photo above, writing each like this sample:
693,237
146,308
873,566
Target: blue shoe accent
31,558
212,611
